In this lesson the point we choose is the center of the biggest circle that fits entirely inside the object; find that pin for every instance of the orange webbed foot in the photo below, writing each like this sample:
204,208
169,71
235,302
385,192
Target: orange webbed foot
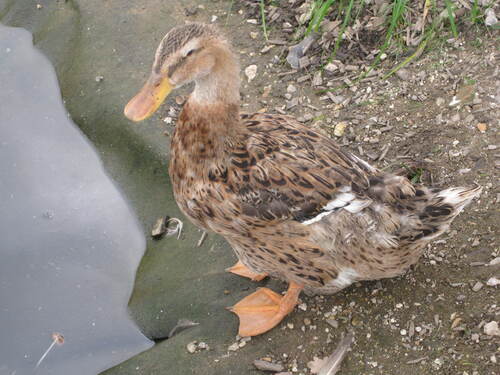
242,270
264,309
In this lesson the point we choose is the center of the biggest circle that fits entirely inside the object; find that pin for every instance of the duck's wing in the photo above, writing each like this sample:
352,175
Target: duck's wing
286,171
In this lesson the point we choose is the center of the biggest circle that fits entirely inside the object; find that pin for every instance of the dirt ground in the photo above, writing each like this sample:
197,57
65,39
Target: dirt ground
431,320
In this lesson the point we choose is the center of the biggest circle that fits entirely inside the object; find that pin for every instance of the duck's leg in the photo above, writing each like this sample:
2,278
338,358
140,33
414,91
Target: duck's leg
264,309
242,270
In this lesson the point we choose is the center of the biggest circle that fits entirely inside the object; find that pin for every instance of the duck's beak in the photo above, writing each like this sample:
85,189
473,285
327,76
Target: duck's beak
147,101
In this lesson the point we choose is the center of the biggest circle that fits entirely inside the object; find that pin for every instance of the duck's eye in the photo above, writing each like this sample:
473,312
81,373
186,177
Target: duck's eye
190,52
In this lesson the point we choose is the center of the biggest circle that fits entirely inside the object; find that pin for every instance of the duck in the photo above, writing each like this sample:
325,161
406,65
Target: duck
289,200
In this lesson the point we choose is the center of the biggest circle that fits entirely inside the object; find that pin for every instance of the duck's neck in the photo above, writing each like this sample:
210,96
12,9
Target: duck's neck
222,85
209,124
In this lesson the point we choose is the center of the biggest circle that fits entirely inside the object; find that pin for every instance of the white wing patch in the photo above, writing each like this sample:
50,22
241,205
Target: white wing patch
317,218
344,200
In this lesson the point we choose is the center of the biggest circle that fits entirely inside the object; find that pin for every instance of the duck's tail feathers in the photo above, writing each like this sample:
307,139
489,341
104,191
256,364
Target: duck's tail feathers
442,207
436,210
457,198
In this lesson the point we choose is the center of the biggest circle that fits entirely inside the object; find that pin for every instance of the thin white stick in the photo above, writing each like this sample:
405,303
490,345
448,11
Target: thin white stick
200,241
46,352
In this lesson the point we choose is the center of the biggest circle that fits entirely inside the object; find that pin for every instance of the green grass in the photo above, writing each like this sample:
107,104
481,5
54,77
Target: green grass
475,13
451,17
413,174
263,19
347,19
398,14
319,11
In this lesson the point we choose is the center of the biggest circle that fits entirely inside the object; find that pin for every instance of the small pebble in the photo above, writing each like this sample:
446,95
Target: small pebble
491,18
493,281
191,347
482,127
251,72
333,323
491,329
403,74
331,67
203,345
495,261
340,129
267,366
477,286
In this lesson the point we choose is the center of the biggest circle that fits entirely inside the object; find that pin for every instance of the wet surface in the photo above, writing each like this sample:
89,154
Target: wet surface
70,245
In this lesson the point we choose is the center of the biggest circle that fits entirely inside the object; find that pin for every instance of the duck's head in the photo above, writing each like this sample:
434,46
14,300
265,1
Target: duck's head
193,52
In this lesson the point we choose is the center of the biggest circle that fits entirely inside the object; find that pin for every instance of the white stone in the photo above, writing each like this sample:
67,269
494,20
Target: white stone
495,261
331,67
191,347
493,281
491,328
251,72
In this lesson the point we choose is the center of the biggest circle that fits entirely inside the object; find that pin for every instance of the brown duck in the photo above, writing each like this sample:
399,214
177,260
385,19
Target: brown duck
290,201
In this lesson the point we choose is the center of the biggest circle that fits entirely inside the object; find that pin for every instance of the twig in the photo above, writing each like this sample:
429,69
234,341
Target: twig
286,73
384,152
416,360
202,238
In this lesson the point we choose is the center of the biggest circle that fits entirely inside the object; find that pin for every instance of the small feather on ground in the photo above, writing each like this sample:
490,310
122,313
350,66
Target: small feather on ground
331,364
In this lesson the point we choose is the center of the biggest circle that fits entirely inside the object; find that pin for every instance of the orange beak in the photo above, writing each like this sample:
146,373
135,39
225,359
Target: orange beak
147,101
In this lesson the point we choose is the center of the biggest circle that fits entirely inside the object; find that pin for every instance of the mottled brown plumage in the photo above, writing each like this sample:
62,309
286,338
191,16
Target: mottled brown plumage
289,200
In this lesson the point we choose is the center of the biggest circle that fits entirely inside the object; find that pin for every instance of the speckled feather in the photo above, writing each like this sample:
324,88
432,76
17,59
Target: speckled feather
294,205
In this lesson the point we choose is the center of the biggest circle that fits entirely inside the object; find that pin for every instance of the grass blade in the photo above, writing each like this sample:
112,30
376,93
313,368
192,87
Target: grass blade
451,17
320,10
263,17
347,19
